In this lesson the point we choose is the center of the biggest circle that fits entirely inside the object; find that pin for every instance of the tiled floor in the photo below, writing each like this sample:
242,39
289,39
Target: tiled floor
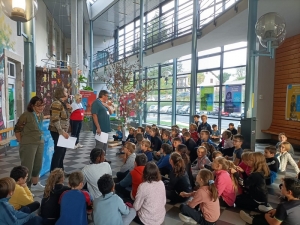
77,159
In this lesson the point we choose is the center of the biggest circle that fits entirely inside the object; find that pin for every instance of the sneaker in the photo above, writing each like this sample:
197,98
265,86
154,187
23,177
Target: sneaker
79,145
264,208
37,187
186,219
246,217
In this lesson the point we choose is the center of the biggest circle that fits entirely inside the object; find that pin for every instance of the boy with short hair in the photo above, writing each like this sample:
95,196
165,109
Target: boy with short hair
133,178
146,149
119,135
232,129
191,146
204,137
22,198
238,151
193,132
139,138
204,125
166,137
147,133
176,141
272,162
74,203
286,212
110,208
8,215
196,120
215,133
283,138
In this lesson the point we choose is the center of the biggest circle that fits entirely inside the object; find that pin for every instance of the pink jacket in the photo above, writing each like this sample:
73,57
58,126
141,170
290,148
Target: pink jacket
225,187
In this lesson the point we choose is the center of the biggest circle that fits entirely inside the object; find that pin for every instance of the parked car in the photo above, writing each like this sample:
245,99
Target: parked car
185,109
165,109
184,94
236,114
150,98
224,113
152,108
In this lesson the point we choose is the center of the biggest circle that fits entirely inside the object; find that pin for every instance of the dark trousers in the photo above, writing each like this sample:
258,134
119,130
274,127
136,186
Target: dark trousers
194,214
138,220
30,207
121,191
59,153
164,171
245,201
49,221
174,197
117,138
75,129
223,203
121,175
260,220
34,221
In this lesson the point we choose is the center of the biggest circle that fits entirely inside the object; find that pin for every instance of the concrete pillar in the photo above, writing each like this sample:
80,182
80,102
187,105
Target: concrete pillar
74,44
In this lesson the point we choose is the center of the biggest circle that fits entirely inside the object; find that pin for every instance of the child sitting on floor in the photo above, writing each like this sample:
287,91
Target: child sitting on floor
191,146
8,215
193,132
163,164
283,138
215,134
155,139
75,203
272,163
119,135
129,157
286,212
201,161
50,209
286,157
22,198
145,148
232,129
206,197
139,138
109,208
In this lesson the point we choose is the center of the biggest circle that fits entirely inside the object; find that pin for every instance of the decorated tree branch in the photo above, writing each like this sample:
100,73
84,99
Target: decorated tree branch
130,93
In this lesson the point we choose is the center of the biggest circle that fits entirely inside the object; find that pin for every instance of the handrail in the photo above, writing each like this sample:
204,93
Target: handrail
162,29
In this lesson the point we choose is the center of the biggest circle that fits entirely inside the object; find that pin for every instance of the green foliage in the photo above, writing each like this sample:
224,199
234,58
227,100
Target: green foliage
87,88
82,79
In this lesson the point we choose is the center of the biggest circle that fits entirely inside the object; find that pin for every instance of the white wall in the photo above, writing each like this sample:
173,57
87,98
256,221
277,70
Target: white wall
102,42
265,90
41,44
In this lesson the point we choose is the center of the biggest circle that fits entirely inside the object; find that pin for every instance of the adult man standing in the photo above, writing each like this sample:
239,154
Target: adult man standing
101,112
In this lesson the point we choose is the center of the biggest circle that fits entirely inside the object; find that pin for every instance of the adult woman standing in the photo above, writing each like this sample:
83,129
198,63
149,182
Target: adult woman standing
59,125
29,134
76,118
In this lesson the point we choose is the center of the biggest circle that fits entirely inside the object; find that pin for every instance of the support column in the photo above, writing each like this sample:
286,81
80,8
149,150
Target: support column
141,53
193,91
29,60
74,43
176,8
248,125
174,89
91,80
80,34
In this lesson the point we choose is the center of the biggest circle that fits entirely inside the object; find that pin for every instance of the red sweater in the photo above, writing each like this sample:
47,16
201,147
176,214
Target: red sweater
78,114
137,178
194,135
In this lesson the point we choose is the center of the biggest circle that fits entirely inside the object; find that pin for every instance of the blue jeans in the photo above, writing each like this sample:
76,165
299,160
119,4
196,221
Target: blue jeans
75,129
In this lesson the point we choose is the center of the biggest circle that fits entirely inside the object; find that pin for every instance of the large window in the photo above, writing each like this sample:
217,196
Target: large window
220,88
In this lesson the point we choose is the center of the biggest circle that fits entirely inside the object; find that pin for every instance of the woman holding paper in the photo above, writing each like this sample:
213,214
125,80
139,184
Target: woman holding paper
29,133
59,125
76,118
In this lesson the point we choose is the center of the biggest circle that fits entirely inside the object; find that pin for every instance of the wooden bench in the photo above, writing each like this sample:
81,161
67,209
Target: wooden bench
292,133
5,142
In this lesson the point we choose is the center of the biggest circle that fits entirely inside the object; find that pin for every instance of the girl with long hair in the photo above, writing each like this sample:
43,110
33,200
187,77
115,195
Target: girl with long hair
207,199
255,190
182,150
50,208
129,158
225,182
178,180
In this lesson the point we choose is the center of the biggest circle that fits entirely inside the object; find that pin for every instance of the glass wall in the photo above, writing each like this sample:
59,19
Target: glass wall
220,88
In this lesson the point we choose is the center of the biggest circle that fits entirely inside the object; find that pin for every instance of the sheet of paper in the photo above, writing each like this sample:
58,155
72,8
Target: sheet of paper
103,137
66,143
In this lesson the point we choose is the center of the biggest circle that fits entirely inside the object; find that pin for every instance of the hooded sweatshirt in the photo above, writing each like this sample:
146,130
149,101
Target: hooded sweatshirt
49,206
137,178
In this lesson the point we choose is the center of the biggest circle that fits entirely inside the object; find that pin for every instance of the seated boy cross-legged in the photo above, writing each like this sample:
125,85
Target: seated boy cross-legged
286,212
22,199
75,203
109,209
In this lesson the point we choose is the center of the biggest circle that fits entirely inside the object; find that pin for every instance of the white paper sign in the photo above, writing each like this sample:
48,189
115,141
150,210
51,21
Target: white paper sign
103,137
66,143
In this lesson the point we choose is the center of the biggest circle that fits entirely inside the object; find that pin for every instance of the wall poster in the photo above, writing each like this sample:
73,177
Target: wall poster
233,98
88,97
206,98
292,108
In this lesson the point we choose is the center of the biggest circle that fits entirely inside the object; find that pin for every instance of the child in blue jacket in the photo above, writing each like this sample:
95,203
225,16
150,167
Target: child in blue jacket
8,215
163,164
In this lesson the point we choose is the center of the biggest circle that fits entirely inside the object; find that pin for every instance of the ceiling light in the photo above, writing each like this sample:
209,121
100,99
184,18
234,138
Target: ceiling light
20,10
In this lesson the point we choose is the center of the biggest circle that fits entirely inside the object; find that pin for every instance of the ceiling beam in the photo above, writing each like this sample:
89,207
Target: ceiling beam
100,7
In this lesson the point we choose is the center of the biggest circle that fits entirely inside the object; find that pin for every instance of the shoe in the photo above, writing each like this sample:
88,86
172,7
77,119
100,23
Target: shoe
37,187
246,217
79,145
264,208
186,219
